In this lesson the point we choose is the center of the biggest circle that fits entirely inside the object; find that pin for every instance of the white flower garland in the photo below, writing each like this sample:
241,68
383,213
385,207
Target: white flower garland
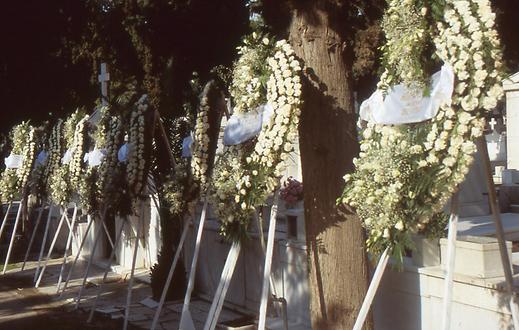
200,152
54,155
136,169
112,184
77,165
405,174
247,176
205,137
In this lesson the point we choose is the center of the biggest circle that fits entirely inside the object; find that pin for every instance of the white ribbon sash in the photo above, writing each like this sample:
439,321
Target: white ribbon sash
242,127
41,159
403,105
187,143
95,157
67,157
122,154
13,161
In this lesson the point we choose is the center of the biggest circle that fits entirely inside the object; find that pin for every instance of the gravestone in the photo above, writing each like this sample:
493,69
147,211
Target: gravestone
511,88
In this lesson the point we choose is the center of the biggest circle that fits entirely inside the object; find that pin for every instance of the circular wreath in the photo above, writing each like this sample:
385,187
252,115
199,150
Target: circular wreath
405,174
267,72
139,140
13,181
60,189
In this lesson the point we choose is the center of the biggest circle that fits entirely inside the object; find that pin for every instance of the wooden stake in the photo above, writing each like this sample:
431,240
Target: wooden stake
33,235
67,247
49,254
130,282
372,290
107,270
97,236
223,286
186,321
85,236
2,227
268,263
496,215
170,274
451,257
13,235
43,242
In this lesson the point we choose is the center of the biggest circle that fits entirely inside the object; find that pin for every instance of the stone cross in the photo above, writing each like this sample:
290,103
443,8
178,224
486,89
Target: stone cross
492,123
104,78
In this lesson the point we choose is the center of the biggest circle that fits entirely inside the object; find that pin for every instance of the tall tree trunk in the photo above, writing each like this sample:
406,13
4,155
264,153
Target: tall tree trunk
338,268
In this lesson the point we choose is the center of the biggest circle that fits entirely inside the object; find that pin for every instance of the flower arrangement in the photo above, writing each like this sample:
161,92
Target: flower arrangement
250,74
140,147
60,189
14,180
112,185
79,147
37,181
405,174
207,127
179,189
89,182
249,173
292,192
55,151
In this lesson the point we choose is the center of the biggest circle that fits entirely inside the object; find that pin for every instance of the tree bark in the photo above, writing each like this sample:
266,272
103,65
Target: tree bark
338,267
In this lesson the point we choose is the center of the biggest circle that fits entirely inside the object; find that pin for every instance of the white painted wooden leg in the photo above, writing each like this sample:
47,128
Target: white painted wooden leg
78,254
130,282
450,263
268,264
67,247
107,270
223,286
89,264
43,242
186,321
13,236
108,235
50,250
33,235
2,227
156,317
372,290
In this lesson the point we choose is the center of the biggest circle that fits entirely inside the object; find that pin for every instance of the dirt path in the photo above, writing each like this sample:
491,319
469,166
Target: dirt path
23,307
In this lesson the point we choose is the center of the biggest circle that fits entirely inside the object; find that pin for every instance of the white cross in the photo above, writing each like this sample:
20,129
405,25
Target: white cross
493,123
104,78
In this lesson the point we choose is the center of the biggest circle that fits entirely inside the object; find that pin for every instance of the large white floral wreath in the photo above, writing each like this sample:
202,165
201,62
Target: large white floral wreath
112,184
55,152
247,174
405,174
14,180
60,189
139,140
